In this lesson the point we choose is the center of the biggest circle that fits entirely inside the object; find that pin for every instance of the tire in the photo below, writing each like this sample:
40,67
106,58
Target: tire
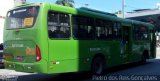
98,65
143,59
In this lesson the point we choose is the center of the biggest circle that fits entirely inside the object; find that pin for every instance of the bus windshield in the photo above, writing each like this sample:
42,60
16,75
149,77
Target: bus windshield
24,17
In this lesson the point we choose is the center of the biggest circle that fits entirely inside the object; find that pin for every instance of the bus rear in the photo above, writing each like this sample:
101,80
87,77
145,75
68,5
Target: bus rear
22,40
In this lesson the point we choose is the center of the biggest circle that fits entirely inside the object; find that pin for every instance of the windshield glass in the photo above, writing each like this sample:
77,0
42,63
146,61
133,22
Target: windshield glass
22,17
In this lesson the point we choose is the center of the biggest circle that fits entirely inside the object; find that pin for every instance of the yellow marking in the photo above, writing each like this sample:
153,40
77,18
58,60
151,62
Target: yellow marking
30,51
28,21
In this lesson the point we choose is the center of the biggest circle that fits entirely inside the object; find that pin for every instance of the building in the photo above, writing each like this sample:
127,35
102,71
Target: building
146,15
6,5
19,2
119,14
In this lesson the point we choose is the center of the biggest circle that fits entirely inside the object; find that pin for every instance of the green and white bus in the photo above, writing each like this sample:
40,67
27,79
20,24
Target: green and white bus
49,38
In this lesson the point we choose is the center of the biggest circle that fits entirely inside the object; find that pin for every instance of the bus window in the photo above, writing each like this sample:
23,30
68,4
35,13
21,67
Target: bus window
83,28
24,17
117,30
104,29
100,29
58,25
140,33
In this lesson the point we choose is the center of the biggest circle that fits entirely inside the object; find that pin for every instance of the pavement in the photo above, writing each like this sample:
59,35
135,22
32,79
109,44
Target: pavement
158,53
1,51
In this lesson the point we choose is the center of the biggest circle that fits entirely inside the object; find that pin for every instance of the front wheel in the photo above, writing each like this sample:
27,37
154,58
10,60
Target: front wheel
98,65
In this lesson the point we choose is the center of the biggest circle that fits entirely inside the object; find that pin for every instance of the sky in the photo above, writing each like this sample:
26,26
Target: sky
111,5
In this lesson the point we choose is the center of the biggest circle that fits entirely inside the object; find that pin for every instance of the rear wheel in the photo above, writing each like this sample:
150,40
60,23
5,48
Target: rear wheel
98,65
143,59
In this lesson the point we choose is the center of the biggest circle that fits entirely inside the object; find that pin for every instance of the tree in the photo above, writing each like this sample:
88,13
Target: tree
65,2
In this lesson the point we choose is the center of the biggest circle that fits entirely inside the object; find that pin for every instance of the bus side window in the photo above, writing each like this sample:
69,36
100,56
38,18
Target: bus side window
100,32
105,29
140,33
100,29
117,30
58,25
136,33
83,27
65,25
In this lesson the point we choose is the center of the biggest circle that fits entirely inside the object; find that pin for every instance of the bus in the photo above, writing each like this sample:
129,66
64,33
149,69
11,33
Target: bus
49,38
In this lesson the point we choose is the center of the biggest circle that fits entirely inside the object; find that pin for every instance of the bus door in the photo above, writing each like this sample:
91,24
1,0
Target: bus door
126,41
153,43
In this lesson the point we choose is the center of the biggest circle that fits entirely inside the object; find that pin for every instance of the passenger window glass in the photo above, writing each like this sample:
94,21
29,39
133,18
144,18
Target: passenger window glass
117,30
107,29
140,33
87,28
83,28
58,25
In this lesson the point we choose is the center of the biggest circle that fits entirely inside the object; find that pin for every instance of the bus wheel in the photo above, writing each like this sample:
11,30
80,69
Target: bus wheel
143,59
97,65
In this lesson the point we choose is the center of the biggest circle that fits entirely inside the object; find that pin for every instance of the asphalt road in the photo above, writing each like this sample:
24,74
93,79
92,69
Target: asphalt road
141,72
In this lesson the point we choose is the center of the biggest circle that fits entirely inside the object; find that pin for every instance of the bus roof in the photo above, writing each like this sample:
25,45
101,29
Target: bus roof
90,13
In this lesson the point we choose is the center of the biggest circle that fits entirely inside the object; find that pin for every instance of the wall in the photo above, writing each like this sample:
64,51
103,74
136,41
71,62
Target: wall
5,5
